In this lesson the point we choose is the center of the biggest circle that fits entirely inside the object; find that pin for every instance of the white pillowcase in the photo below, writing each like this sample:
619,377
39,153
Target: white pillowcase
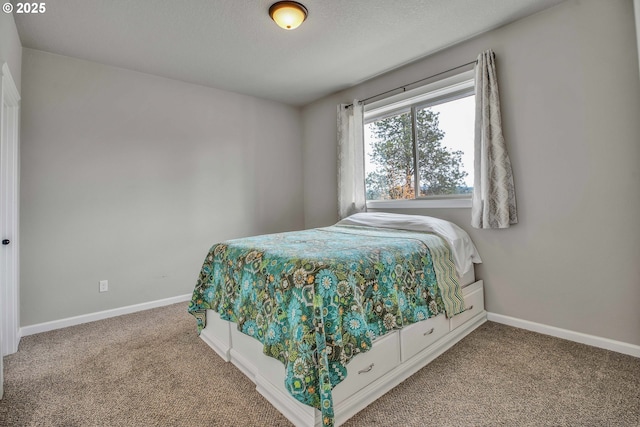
463,250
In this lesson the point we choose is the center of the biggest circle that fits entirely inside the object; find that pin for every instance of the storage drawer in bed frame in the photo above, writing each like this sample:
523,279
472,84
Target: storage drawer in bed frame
393,358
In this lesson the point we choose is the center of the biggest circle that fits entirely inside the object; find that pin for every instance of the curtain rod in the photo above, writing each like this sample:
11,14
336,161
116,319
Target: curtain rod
404,87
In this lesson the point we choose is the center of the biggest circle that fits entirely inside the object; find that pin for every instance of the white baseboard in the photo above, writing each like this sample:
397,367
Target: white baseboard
592,340
92,317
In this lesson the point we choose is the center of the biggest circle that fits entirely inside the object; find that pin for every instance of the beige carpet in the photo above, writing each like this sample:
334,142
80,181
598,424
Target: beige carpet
151,369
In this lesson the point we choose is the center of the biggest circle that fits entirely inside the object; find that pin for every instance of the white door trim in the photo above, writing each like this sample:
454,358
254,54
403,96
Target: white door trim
636,8
9,204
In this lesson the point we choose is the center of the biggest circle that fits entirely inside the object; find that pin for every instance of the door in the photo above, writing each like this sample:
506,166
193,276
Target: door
9,190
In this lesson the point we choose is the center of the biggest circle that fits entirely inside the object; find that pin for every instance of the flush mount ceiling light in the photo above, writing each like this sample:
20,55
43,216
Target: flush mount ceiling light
288,14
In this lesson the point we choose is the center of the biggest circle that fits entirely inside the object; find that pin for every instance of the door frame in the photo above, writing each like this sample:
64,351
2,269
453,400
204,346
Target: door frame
9,213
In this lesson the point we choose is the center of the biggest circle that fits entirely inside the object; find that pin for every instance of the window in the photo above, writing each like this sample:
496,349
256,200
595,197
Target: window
419,144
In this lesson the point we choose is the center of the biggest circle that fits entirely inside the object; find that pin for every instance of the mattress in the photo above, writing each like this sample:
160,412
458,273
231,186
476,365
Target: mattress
468,278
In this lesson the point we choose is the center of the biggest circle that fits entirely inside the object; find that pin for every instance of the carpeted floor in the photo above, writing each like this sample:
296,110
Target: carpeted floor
151,369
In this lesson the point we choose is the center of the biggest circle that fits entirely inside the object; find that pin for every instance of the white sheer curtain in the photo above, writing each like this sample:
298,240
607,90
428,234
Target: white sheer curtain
494,197
351,190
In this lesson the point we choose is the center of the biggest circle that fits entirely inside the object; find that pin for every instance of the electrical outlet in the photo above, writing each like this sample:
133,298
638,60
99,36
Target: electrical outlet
104,285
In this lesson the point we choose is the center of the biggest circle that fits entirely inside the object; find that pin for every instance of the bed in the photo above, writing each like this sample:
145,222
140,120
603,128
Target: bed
327,320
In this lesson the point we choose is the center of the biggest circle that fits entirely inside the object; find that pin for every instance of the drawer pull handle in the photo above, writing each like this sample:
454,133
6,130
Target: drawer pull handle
429,332
470,308
364,371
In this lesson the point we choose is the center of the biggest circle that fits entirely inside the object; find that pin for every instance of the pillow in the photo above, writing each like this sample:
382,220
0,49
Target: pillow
463,250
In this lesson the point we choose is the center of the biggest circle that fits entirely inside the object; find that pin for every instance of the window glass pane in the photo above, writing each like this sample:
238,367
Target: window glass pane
444,136
389,165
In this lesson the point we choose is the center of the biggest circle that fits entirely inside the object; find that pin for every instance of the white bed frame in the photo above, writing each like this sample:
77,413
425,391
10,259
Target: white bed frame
392,359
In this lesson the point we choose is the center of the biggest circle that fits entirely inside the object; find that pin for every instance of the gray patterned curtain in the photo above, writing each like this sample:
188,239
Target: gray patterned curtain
494,197
351,189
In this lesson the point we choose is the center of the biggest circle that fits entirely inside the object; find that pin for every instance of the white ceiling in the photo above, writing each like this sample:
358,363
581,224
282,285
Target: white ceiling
234,45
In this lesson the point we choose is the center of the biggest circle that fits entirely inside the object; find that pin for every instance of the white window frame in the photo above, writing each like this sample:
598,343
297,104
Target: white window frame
444,90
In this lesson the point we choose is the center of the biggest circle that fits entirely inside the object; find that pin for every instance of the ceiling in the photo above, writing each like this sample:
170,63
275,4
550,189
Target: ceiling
234,45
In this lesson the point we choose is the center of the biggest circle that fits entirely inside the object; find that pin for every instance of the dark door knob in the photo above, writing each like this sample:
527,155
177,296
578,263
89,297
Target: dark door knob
6,242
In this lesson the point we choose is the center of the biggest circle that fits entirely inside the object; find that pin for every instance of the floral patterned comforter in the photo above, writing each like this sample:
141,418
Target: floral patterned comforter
317,298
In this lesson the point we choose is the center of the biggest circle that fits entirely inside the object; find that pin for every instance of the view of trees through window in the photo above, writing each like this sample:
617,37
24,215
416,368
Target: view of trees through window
443,149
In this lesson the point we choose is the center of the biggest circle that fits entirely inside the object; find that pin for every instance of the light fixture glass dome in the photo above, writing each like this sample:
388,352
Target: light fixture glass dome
288,14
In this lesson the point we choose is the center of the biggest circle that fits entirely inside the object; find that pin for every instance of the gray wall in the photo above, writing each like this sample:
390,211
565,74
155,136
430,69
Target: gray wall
571,115
10,47
131,178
